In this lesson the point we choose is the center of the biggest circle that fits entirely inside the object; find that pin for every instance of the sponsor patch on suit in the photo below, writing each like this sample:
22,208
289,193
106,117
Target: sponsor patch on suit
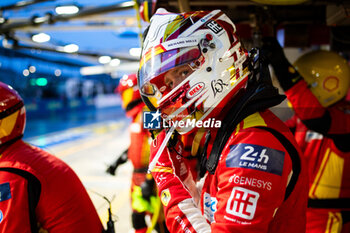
256,157
5,192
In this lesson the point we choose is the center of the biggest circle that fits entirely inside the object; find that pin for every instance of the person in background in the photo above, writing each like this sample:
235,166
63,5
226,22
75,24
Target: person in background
317,86
38,191
143,193
194,68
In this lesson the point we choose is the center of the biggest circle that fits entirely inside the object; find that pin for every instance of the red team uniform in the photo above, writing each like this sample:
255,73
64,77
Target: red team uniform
37,190
138,153
329,190
316,87
247,191
63,203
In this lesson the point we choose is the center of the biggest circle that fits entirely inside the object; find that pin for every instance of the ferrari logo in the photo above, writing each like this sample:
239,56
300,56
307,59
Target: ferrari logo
165,197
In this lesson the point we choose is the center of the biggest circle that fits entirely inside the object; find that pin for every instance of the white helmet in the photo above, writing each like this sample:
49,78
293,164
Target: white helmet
202,49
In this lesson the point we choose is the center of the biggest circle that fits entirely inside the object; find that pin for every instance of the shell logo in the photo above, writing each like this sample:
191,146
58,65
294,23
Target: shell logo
195,90
331,83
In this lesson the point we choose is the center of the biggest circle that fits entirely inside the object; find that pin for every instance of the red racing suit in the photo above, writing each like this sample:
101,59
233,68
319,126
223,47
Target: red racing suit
247,191
63,205
327,156
138,152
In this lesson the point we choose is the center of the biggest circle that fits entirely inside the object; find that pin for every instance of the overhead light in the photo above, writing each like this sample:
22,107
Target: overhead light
127,4
114,62
92,70
135,52
71,48
21,3
58,72
32,69
25,72
104,59
128,67
40,20
7,43
67,10
41,37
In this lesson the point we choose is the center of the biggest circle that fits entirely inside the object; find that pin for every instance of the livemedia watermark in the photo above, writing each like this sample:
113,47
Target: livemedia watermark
153,120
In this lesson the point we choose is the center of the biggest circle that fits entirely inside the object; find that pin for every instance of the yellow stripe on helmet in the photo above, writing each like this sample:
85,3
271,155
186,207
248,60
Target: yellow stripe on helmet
151,53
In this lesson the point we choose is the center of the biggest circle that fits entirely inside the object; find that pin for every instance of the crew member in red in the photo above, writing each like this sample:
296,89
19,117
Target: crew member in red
317,86
38,191
196,73
143,190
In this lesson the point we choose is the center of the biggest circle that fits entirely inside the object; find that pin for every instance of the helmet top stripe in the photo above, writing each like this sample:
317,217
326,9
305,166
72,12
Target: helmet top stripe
199,23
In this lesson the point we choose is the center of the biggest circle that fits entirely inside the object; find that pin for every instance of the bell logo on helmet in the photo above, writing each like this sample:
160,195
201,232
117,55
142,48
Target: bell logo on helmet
195,90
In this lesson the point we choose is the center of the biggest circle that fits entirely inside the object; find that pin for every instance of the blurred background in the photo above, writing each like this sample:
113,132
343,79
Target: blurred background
66,57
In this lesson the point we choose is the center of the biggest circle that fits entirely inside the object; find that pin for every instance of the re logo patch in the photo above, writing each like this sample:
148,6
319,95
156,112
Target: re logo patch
5,192
165,197
242,203
1,216
256,157
214,26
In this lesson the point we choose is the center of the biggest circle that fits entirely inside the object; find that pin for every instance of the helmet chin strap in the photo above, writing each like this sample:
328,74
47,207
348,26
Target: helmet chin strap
152,164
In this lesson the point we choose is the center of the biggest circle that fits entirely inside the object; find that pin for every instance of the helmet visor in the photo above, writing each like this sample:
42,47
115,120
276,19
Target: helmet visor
151,73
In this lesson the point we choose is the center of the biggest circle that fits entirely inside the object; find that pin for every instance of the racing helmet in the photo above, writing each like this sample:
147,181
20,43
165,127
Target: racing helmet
202,51
12,114
147,9
327,75
130,95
